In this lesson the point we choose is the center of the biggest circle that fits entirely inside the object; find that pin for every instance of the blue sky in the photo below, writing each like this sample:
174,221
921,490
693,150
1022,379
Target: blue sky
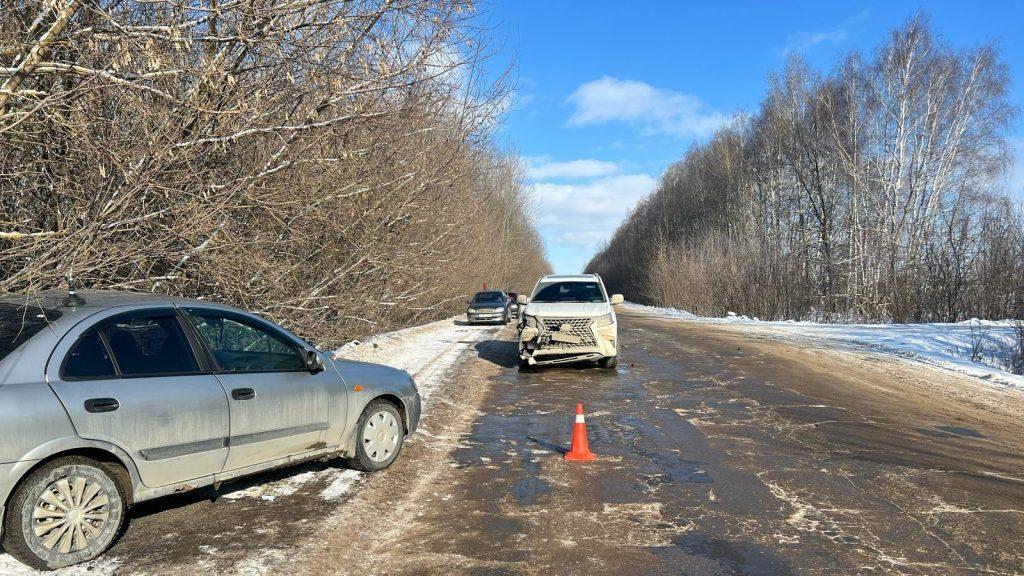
610,93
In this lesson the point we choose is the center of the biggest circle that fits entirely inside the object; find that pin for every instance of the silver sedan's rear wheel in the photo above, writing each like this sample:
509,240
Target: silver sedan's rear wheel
379,436
69,511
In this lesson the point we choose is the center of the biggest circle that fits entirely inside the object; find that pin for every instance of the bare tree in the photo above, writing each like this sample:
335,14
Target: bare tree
329,164
869,192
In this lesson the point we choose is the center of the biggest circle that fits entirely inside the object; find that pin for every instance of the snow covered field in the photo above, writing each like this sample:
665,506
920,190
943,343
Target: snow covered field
428,352
947,346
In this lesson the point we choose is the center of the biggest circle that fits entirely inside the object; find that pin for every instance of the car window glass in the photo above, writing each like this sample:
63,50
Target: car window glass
570,292
19,322
243,347
89,359
488,297
146,346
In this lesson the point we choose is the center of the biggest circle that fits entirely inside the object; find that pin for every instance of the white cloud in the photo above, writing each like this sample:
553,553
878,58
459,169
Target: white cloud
611,99
543,169
801,41
586,214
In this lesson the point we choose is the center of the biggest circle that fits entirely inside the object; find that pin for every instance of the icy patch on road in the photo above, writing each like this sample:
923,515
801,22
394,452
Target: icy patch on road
341,484
260,564
272,490
99,567
946,346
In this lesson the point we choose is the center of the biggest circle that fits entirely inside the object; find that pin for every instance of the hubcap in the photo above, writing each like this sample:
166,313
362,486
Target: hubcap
70,513
380,436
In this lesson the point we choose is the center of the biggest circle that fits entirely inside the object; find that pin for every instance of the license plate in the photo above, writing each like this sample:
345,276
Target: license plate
567,338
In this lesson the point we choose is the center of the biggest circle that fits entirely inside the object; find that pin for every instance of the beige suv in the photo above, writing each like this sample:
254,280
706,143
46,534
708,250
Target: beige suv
569,319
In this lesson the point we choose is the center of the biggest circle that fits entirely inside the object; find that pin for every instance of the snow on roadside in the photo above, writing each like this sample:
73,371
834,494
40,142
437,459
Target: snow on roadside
946,346
99,567
428,352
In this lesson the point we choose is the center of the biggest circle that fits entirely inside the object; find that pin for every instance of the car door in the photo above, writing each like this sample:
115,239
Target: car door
135,380
277,407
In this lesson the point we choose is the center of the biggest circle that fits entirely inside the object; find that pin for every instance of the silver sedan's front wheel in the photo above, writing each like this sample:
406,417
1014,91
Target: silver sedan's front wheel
69,511
379,436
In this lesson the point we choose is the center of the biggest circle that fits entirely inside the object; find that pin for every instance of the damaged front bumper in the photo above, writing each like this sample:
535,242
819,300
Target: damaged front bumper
565,340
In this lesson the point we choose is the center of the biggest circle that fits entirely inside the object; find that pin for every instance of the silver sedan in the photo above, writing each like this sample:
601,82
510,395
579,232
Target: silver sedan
108,399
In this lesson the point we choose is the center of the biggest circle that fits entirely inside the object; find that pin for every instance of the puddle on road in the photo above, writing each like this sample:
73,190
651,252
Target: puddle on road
530,489
950,431
740,558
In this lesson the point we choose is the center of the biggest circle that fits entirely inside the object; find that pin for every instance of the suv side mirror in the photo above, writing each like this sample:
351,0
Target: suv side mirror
522,299
617,299
313,362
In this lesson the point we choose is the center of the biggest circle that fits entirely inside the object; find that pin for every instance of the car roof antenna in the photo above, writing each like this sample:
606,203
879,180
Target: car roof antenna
73,299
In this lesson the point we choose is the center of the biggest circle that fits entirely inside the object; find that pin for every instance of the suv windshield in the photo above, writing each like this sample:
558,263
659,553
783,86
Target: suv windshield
18,323
489,297
588,292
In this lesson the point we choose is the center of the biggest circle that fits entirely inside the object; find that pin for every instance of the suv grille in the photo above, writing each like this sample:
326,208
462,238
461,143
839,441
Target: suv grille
580,327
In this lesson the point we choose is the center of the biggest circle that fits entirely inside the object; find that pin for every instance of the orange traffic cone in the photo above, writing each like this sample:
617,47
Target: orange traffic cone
580,450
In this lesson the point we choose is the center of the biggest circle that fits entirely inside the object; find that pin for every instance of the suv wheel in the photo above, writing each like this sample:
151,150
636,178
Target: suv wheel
609,362
68,511
379,437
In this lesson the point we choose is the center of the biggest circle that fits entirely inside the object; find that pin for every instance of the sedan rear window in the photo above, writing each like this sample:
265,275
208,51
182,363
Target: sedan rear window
18,323
489,297
150,346
89,359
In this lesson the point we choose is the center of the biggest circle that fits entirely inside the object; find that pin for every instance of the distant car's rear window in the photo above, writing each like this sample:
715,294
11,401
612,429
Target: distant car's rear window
19,322
488,297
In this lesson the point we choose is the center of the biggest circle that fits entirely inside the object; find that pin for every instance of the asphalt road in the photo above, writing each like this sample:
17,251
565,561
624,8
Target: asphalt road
718,453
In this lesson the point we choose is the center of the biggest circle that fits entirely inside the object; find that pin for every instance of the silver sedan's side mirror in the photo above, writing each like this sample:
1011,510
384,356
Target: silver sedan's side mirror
313,362
522,299
617,299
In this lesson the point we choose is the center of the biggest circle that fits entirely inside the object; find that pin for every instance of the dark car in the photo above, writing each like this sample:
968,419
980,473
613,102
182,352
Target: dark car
489,306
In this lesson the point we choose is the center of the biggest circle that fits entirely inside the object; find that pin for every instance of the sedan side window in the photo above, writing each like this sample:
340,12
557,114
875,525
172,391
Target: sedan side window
89,359
240,346
147,346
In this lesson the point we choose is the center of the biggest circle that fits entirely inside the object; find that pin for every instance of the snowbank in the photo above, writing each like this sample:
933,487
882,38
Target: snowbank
947,346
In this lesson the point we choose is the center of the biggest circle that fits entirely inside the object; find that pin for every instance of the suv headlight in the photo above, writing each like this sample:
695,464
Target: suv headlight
606,320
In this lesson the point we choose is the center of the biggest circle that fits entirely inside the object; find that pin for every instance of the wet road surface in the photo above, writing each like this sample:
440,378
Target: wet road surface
720,455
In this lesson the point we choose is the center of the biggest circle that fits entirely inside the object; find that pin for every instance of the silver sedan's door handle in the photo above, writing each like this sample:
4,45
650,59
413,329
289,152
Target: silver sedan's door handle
243,393
97,405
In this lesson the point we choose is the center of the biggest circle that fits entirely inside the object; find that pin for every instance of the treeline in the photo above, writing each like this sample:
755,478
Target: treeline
328,164
873,192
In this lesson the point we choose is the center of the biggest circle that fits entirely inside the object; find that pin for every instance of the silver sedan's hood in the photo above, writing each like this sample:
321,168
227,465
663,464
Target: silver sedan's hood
567,309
